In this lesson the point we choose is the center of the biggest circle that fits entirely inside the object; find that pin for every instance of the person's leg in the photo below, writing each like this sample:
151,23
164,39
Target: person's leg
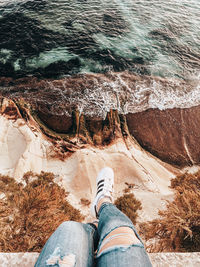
72,244
119,244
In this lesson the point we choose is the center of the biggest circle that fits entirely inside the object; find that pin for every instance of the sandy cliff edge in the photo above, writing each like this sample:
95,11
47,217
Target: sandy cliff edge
23,147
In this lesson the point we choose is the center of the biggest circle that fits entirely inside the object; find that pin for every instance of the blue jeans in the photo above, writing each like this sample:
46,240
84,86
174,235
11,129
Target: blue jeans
79,241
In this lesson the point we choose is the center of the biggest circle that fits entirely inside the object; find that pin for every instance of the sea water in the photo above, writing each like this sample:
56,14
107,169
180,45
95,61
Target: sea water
154,38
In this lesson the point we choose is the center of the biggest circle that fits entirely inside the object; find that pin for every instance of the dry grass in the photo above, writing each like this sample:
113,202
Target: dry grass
178,228
85,202
129,205
30,212
128,188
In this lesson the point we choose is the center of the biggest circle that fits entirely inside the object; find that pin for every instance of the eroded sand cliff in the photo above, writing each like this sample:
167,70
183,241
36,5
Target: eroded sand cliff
26,145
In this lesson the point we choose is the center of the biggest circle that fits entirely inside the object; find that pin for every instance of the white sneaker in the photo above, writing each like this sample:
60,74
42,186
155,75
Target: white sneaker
105,182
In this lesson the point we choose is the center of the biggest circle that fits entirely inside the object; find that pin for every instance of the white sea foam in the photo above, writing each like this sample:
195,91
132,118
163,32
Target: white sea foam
121,94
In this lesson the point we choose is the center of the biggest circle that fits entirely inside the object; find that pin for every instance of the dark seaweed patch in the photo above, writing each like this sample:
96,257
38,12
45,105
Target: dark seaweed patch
36,5
6,70
26,36
60,67
80,43
108,57
114,24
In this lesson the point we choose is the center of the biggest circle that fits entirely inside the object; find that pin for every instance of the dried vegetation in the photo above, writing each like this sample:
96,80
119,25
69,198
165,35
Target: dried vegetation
85,202
178,228
129,205
31,211
128,188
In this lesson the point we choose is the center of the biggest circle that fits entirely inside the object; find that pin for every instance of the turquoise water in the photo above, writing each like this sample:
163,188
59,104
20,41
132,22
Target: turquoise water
143,54
58,38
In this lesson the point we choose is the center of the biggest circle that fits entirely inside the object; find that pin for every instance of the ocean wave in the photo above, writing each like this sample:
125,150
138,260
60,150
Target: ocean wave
96,94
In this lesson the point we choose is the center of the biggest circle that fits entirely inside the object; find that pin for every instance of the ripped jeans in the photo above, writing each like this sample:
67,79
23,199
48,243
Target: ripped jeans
73,244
